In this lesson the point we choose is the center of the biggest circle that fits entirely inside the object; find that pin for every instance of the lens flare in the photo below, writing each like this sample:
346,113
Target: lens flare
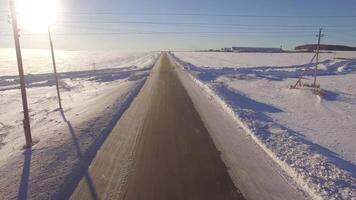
36,15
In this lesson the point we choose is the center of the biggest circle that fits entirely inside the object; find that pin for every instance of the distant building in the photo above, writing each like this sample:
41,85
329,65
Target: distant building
256,49
226,49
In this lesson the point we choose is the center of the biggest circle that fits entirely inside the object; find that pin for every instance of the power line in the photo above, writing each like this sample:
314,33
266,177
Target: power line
249,27
203,24
118,30
239,30
162,33
205,14
113,30
191,23
212,32
195,14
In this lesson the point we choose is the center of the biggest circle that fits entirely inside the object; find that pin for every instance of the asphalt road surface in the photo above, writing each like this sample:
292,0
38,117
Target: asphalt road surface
173,156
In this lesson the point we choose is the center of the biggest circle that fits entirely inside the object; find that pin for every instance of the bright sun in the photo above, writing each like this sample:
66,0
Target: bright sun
36,15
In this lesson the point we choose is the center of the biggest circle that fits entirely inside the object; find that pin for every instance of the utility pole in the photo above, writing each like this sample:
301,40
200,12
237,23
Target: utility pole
54,67
317,56
26,120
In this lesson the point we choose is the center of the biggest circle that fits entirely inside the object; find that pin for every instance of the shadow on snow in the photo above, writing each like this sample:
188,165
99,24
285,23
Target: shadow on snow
253,110
79,147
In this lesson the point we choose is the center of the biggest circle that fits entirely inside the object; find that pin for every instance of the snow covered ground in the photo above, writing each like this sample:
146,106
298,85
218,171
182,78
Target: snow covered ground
219,60
65,143
39,61
311,137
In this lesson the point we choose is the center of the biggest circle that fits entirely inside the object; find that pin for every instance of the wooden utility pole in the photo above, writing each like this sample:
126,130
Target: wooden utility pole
26,120
54,67
317,57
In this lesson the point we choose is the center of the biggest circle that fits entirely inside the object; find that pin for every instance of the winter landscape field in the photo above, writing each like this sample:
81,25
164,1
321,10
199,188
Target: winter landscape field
177,100
311,137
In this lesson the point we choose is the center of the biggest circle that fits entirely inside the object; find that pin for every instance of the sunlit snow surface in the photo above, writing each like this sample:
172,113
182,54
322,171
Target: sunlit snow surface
40,61
312,137
94,96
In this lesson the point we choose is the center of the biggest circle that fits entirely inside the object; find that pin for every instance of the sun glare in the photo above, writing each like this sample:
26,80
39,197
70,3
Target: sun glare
36,15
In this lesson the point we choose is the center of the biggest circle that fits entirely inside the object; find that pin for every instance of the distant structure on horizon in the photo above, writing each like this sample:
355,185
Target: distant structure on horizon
252,49
256,49
228,49
328,47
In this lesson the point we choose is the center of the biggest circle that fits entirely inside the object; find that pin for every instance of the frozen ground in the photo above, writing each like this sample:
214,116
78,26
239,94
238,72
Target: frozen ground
312,138
93,101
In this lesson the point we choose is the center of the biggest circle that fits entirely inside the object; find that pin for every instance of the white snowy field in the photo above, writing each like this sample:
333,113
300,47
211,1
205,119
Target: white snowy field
311,137
93,100
39,61
222,59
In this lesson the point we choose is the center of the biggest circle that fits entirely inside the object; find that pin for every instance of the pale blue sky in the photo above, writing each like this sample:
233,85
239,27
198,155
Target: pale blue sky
251,23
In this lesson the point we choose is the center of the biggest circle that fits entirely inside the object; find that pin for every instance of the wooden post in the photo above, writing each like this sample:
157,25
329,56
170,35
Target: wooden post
317,57
54,68
26,120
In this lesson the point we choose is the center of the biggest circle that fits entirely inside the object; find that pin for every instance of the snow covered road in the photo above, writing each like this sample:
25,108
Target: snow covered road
173,155
166,153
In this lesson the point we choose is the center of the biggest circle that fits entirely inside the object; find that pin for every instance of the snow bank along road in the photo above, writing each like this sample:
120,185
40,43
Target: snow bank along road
296,128
161,149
